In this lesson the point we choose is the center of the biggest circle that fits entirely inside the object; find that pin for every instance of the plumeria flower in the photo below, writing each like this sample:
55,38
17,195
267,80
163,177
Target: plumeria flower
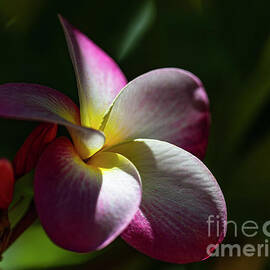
133,166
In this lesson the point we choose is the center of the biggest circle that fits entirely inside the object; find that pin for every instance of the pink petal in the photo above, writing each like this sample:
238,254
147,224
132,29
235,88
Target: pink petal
179,196
165,104
40,103
98,76
83,207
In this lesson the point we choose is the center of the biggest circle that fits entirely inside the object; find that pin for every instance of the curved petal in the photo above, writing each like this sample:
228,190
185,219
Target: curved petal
6,183
98,76
41,103
165,104
183,213
83,207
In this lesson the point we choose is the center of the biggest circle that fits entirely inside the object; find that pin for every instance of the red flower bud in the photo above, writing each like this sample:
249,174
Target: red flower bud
29,153
6,183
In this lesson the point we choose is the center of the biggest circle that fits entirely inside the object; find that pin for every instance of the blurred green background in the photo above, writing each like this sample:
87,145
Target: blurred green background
225,43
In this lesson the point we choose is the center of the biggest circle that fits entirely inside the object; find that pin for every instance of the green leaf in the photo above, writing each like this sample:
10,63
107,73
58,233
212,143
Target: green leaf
34,250
137,27
23,195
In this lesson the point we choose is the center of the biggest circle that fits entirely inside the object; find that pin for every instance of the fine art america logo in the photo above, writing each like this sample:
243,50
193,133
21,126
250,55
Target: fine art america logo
248,229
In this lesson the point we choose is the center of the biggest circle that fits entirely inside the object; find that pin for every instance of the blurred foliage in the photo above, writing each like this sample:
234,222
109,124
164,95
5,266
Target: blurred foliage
136,29
254,263
225,43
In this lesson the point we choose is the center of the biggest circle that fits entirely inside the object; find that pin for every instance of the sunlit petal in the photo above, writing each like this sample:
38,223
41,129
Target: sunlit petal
165,104
83,207
40,103
98,76
179,196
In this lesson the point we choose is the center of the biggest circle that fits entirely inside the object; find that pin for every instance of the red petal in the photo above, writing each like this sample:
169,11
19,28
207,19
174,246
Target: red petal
6,183
29,153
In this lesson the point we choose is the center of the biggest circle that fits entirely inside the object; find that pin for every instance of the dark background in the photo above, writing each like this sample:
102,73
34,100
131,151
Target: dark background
225,43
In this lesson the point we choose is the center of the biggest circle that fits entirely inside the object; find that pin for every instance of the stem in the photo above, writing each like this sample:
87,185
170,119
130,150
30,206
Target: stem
26,221
7,235
4,231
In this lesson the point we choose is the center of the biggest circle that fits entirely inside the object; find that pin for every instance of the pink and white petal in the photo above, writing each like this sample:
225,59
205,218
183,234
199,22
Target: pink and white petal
41,103
99,78
83,207
165,104
182,216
